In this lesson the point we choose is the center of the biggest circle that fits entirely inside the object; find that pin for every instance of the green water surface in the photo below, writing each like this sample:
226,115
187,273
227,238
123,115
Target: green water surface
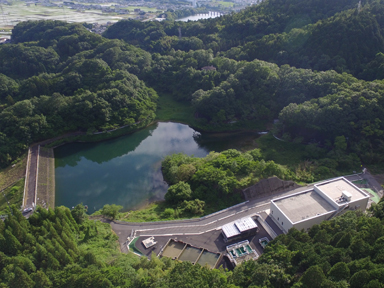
127,171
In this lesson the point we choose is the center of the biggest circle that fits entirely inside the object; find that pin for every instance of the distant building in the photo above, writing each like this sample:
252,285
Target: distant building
4,40
239,229
322,202
209,68
137,10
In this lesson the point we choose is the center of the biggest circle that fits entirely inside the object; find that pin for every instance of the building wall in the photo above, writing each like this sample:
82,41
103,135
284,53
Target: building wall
359,204
280,217
308,223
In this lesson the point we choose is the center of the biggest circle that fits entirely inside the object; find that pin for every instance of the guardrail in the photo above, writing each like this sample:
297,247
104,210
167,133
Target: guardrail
181,220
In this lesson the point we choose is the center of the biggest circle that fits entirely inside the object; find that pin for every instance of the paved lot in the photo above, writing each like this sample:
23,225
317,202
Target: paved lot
212,241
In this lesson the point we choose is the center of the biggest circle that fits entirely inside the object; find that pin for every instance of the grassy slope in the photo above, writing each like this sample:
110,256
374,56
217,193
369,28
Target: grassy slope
170,110
14,194
285,153
11,174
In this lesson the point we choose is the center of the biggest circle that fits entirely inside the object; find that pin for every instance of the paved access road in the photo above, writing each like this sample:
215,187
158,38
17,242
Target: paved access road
196,226
31,178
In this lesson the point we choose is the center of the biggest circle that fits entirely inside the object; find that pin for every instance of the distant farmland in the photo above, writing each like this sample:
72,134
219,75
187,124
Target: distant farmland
19,11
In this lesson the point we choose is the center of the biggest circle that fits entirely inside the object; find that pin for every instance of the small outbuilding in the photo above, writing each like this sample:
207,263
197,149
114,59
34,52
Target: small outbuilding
239,229
209,68
149,242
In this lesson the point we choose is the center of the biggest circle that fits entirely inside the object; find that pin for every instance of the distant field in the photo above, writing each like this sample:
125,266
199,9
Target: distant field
146,9
19,11
225,4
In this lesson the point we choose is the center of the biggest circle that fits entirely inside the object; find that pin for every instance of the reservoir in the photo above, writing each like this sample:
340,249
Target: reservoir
127,170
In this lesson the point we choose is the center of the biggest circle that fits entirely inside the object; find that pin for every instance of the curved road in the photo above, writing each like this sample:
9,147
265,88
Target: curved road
196,226
205,224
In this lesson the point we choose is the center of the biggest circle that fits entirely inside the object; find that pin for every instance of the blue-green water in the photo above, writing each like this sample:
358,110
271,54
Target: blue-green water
127,171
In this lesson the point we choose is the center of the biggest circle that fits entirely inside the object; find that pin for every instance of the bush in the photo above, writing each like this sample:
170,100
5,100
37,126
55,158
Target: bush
168,213
178,192
111,211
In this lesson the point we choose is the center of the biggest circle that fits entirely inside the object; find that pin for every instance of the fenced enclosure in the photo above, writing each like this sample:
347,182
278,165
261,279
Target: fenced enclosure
45,196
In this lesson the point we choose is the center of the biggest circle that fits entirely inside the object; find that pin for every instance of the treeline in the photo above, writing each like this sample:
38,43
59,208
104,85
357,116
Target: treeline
344,35
313,107
351,41
93,77
355,114
321,35
222,33
44,251
216,180
62,248
67,79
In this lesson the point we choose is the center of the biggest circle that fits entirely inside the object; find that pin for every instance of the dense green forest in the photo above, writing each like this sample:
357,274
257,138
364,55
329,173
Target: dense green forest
59,78
79,73
312,67
343,39
62,248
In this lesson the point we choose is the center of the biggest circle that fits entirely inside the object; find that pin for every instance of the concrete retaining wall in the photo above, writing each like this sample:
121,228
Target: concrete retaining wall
267,187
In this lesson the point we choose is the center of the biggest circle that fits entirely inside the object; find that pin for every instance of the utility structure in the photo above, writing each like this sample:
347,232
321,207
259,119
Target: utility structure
323,201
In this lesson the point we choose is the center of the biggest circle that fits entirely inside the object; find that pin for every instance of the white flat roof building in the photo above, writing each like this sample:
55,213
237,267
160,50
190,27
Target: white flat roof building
322,202
234,229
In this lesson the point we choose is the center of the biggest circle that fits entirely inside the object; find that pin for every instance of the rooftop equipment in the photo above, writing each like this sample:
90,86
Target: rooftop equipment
347,196
149,242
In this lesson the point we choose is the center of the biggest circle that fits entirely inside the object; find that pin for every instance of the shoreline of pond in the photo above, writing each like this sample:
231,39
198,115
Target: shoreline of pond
138,156
76,136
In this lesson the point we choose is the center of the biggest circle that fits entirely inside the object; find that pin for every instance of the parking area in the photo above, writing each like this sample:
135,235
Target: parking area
212,241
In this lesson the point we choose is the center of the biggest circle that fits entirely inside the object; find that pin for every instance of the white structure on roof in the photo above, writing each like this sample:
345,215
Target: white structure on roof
149,242
240,227
322,202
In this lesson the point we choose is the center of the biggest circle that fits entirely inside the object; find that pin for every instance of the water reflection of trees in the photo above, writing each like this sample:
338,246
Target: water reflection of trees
100,152
223,141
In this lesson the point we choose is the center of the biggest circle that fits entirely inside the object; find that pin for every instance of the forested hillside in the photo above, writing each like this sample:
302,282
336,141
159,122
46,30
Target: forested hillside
314,68
220,34
67,79
341,36
84,73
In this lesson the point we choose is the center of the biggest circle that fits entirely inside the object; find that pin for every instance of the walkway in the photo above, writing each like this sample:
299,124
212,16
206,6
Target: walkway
30,187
